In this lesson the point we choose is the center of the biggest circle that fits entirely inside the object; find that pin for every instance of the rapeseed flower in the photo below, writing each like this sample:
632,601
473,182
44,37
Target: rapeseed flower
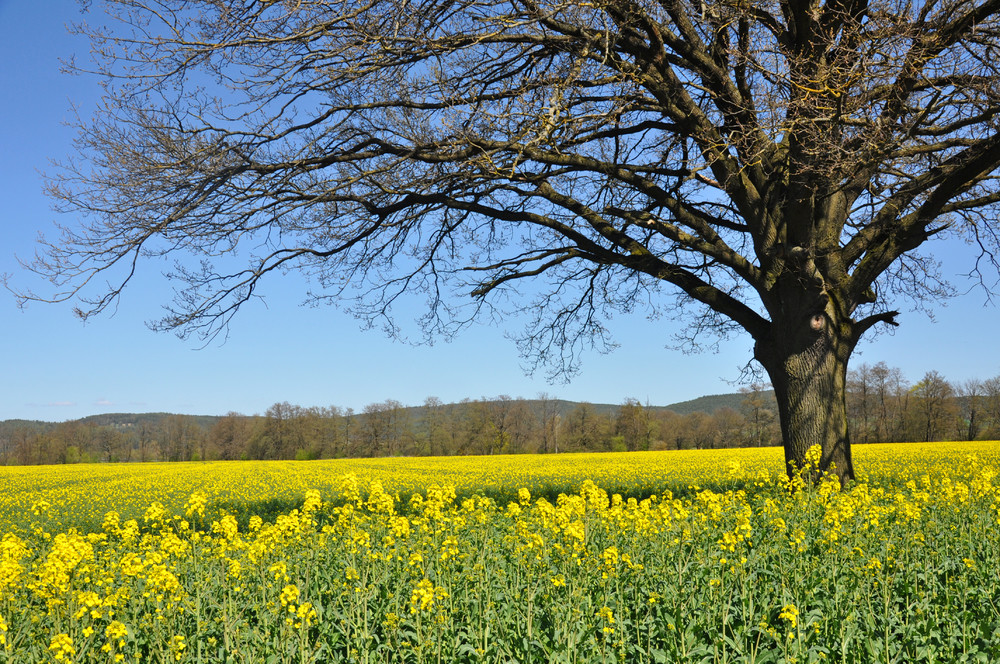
448,559
607,618
425,595
177,646
195,505
62,647
790,614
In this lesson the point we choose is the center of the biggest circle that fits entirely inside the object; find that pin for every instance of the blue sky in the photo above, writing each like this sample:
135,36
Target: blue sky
56,368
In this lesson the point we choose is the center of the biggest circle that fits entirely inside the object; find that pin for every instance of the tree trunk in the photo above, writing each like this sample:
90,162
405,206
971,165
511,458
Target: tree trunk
806,359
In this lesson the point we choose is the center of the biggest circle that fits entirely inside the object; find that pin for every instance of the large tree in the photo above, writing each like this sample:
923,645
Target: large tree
775,164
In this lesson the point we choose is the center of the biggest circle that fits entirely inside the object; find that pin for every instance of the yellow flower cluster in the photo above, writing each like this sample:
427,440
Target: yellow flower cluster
61,647
425,595
790,614
410,556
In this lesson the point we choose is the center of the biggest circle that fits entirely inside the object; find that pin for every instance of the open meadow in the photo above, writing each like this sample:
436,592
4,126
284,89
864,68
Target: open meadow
695,556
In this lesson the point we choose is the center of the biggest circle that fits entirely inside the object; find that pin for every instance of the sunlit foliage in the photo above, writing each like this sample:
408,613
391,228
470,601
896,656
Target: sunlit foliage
642,557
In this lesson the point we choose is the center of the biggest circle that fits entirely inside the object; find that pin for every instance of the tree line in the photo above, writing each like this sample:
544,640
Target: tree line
883,407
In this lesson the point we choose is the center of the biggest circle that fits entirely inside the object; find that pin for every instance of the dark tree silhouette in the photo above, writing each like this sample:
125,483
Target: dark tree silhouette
774,164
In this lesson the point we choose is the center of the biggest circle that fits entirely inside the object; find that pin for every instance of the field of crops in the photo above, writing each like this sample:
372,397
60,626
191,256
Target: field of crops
641,557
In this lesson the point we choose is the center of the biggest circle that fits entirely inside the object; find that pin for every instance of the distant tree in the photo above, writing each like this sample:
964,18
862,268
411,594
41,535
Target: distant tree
729,425
971,397
325,431
934,407
230,435
180,437
70,434
463,422
51,447
480,437
891,393
145,435
503,424
73,454
703,430
311,433
6,444
25,449
507,424
585,430
861,403
385,429
758,413
275,435
548,422
694,431
991,394
106,441
634,425
434,426
668,425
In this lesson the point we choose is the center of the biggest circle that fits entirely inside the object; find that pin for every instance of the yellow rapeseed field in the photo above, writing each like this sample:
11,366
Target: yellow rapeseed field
701,556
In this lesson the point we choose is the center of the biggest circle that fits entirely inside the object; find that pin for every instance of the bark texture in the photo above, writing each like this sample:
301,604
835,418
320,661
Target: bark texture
809,379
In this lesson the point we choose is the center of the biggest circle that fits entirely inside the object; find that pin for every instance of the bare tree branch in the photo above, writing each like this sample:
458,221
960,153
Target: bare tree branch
776,164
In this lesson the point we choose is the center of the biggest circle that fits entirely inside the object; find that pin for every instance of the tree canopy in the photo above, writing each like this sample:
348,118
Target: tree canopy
775,165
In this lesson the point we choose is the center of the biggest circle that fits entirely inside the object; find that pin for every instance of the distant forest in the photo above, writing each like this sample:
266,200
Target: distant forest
883,407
